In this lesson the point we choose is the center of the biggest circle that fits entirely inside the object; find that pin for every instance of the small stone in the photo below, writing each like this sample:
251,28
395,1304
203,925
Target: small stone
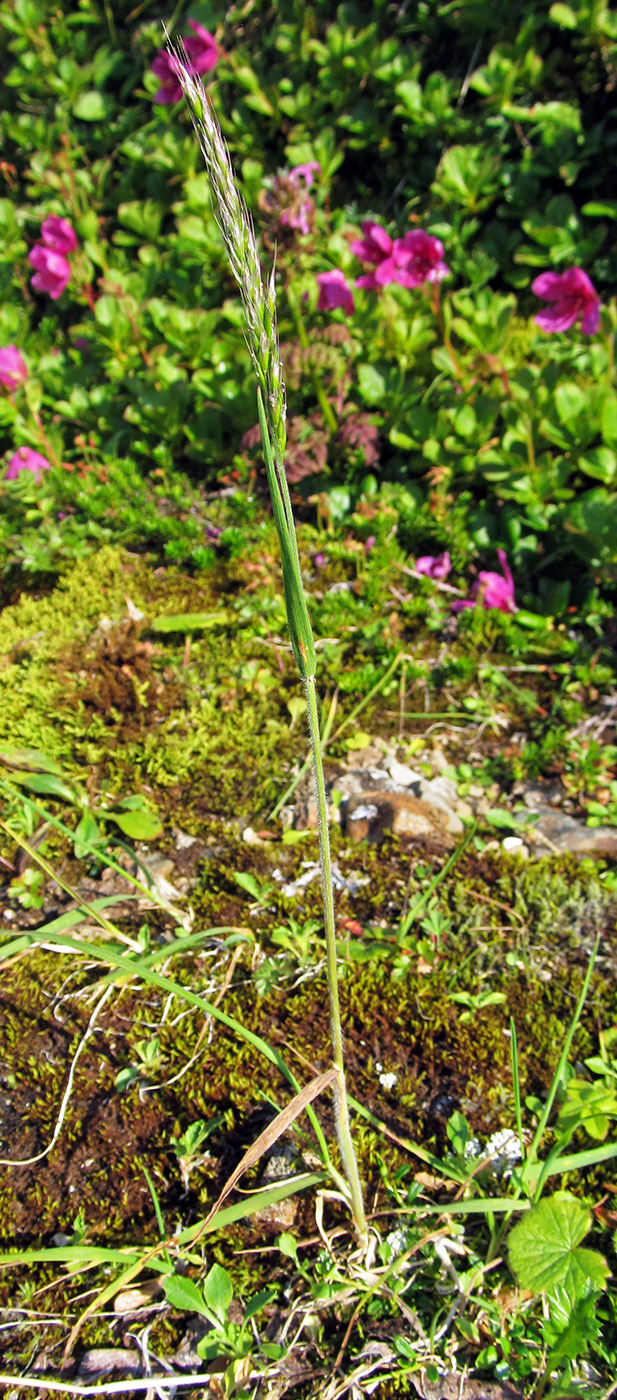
440,792
438,760
281,1215
99,1360
403,775
251,838
464,810
370,816
557,831
183,840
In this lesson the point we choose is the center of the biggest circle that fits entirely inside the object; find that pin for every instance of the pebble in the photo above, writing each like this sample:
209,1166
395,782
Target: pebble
439,792
557,831
371,815
402,775
515,845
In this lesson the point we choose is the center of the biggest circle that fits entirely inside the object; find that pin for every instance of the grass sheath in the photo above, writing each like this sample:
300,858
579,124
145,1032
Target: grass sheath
259,303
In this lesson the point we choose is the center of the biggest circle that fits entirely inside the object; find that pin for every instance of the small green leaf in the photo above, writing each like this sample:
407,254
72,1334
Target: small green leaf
183,1294
85,836
570,402
601,209
48,786
545,1251
189,622
249,883
601,463
563,15
28,758
288,1246
218,1291
92,106
371,384
361,740
531,620
140,825
259,1301
501,818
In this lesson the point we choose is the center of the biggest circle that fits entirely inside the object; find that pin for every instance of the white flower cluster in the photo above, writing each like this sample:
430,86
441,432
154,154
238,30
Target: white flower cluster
503,1149
397,1242
387,1078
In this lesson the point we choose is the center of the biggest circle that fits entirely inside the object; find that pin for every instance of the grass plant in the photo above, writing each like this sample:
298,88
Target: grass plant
259,304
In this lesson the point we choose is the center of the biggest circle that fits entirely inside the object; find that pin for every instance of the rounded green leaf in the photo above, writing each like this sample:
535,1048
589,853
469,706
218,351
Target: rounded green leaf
545,1252
92,106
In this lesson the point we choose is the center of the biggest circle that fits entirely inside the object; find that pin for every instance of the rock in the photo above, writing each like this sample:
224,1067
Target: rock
556,831
515,845
370,815
183,840
439,792
99,1360
402,775
281,1215
538,795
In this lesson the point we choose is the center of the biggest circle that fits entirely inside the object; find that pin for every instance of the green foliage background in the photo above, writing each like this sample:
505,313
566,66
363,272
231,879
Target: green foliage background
494,131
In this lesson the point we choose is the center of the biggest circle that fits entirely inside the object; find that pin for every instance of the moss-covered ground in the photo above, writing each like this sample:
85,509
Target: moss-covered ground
199,720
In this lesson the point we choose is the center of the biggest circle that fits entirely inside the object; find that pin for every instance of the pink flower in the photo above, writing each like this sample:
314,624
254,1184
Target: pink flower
52,271
410,261
165,68
573,295
201,48
305,172
58,234
25,459
434,566
375,246
420,256
12,368
334,292
492,590
203,54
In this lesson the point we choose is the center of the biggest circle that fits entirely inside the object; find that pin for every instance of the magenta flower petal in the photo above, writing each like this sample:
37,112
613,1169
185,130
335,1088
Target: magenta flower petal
497,591
58,234
557,318
590,317
25,459
375,246
201,48
52,271
306,172
385,272
421,254
12,368
164,69
572,295
434,565
334,292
